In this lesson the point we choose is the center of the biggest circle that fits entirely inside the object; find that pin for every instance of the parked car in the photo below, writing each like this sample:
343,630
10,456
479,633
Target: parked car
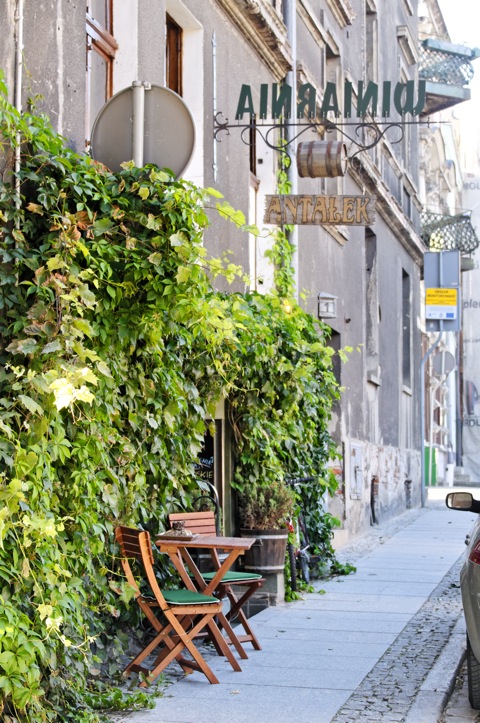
470,587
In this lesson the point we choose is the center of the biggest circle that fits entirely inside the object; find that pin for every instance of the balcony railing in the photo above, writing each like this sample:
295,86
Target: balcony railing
441,232
447,68
440,67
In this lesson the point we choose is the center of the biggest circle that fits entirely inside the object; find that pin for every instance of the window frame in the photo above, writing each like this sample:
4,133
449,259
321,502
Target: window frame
173,50
99,39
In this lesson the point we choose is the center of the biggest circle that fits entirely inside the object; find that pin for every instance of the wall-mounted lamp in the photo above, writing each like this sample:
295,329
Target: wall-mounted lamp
327,306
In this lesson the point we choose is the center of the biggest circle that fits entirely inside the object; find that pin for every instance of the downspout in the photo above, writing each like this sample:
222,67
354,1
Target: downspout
290,14
214,100
18,95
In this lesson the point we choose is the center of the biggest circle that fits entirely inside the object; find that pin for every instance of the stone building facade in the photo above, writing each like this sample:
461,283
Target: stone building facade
75,55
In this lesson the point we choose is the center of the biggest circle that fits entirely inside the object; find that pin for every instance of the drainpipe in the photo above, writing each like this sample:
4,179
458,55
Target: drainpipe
138,122
18,91
214,100
290,15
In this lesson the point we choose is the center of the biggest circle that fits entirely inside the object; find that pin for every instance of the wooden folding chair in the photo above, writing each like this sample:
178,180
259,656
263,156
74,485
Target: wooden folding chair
183,614
204,523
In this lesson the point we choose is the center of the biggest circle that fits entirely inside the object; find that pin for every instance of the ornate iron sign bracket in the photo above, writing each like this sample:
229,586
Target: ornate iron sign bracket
291,131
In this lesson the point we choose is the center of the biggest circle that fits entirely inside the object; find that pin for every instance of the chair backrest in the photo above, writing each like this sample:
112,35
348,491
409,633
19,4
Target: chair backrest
130,542
136,545
202,523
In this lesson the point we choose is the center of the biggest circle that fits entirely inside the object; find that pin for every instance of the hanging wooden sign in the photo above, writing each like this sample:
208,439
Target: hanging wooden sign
320,210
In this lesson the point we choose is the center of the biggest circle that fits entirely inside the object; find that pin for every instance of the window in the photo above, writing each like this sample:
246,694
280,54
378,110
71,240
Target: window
371,301
406,329
101,49
184,72
173,59
371,43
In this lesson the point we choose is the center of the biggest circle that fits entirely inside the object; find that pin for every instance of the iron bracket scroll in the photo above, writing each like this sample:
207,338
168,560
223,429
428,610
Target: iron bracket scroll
291,131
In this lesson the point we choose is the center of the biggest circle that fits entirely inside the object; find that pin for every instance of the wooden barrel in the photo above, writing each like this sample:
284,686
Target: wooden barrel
267,554
321,159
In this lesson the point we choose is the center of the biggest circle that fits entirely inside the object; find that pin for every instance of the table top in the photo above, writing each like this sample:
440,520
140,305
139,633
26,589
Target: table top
208,541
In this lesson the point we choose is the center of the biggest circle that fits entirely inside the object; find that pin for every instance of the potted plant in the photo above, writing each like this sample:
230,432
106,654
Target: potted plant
264,510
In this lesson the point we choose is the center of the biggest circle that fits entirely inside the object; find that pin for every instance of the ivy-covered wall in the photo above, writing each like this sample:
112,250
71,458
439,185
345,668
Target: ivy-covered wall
115,348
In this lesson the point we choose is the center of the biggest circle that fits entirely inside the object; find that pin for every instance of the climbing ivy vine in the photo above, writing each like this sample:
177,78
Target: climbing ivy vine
115,348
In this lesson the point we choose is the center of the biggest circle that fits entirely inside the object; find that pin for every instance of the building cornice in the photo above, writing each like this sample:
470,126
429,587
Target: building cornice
307,14
263,28
342,11
363,172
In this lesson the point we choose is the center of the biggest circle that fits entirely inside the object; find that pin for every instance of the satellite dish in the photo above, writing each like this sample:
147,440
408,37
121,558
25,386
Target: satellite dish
168,130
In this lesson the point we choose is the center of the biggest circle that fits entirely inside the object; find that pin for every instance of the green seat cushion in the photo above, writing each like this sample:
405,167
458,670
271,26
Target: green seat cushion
232,576
187,597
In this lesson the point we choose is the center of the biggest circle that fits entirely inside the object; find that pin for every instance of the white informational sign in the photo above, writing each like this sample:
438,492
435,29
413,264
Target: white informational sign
441,303
442,290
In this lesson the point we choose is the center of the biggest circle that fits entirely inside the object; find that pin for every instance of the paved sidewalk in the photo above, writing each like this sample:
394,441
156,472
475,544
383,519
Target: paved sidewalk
382,644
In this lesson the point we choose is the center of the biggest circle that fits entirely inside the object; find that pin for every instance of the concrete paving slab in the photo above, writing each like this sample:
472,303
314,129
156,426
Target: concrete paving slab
296,657
341,621
333,648
362,603
293,677
406,578
379,587
328,635
276,704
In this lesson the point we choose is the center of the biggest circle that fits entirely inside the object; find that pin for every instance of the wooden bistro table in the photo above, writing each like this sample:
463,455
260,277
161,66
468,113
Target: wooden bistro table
177,549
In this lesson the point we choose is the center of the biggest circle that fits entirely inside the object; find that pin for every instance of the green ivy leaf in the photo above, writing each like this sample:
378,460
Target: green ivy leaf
30,404
51,347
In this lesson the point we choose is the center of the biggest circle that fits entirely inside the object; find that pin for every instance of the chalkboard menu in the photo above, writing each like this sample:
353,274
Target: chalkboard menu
205,467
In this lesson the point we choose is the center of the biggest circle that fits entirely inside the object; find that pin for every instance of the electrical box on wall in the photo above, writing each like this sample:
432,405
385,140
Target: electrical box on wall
356,472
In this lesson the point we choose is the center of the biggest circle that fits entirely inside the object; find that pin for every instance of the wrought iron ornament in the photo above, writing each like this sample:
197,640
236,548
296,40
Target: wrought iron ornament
289,133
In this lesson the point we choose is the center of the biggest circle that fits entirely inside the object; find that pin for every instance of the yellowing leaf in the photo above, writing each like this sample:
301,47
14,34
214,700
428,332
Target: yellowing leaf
183,274
25,568
155,258
103,369
55,263
213,192
84,326
44,611
83,248
64,393
84,395
35,208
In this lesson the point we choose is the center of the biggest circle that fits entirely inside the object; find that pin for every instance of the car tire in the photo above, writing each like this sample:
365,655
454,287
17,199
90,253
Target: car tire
473,671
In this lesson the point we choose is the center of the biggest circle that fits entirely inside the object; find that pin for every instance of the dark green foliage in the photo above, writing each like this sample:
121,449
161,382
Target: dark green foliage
114,349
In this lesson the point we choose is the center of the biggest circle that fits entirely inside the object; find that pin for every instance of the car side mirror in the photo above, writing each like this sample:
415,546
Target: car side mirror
462,501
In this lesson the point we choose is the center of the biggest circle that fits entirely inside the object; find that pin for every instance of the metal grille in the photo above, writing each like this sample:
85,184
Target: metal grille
439,67
448,233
